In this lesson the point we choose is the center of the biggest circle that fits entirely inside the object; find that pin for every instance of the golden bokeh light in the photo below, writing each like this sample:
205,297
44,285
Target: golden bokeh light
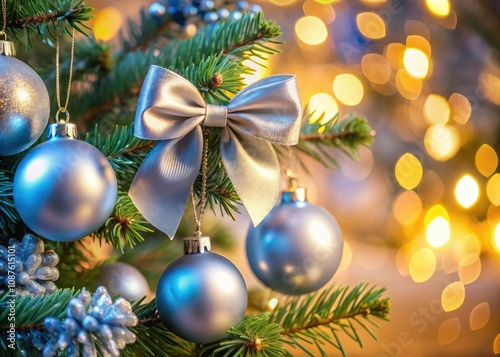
408,86
479,316
371,25
283,2
442,142
272,303
408,171
468,244
348,89
403,257
322,106
469,268
419,42
460,107
422,265
436,110
434,212
416,62
107,23
490,87
496,344
440,8
311,30
486,160
449,331
374,2
467,191
376,68
407,207
438,232
394,53
453,296
493,189
324,12
496,238
328,1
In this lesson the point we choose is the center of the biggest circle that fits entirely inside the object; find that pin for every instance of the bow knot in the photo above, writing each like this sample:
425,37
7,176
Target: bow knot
215,116
171,110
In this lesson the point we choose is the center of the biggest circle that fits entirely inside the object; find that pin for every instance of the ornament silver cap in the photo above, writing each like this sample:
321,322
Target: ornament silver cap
62,130
7,48
298,194
197,245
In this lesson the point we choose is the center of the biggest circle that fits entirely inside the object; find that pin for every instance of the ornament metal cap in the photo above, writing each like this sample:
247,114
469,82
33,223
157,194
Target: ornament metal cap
298,194
197,245
7,48
62,130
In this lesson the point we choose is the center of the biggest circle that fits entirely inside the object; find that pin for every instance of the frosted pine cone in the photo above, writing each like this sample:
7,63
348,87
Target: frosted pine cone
103,320
26,268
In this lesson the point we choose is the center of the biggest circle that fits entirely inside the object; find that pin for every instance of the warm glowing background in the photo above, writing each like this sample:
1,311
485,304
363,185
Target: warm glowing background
421,211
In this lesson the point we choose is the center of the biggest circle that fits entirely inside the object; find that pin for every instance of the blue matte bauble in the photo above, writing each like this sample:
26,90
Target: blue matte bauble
64,189
200,296
296,249
24,106
157,10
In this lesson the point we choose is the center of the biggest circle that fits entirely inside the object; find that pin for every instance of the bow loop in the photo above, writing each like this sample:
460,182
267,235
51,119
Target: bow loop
172,110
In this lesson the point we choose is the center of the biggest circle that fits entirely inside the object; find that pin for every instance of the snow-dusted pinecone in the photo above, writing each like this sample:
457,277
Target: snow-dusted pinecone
103,320
26,267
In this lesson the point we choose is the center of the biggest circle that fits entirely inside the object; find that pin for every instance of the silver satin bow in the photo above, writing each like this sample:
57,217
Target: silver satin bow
172,110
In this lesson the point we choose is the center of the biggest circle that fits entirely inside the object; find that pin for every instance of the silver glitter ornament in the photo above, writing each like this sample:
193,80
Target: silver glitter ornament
297,248
124,280
65,188
201,294
24,103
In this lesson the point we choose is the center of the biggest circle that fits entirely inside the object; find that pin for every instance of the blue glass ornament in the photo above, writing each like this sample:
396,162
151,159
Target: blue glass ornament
24,103
64,189
255,8
297,248
201,294
210,16
223,13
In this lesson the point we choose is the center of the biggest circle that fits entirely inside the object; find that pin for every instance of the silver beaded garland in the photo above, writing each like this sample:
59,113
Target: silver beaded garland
297,248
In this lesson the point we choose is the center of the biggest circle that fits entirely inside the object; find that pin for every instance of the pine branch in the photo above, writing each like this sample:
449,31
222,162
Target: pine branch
345,135
8,214
124,151
125,226
117,88
37,15
307,320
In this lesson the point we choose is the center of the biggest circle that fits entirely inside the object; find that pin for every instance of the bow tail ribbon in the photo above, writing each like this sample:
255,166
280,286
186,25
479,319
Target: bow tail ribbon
252,166
161,188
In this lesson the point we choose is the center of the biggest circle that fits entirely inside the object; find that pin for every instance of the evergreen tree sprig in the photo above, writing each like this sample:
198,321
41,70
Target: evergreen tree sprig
8,214
37,15
346,135
125,226
319,320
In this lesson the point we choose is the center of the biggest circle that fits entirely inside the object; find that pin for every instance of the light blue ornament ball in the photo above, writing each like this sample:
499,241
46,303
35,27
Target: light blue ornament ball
200,296
64,189
297,248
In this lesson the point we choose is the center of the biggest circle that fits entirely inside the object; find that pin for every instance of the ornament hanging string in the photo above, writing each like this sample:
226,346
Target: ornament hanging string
4,19
203,198
291,171
64,109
